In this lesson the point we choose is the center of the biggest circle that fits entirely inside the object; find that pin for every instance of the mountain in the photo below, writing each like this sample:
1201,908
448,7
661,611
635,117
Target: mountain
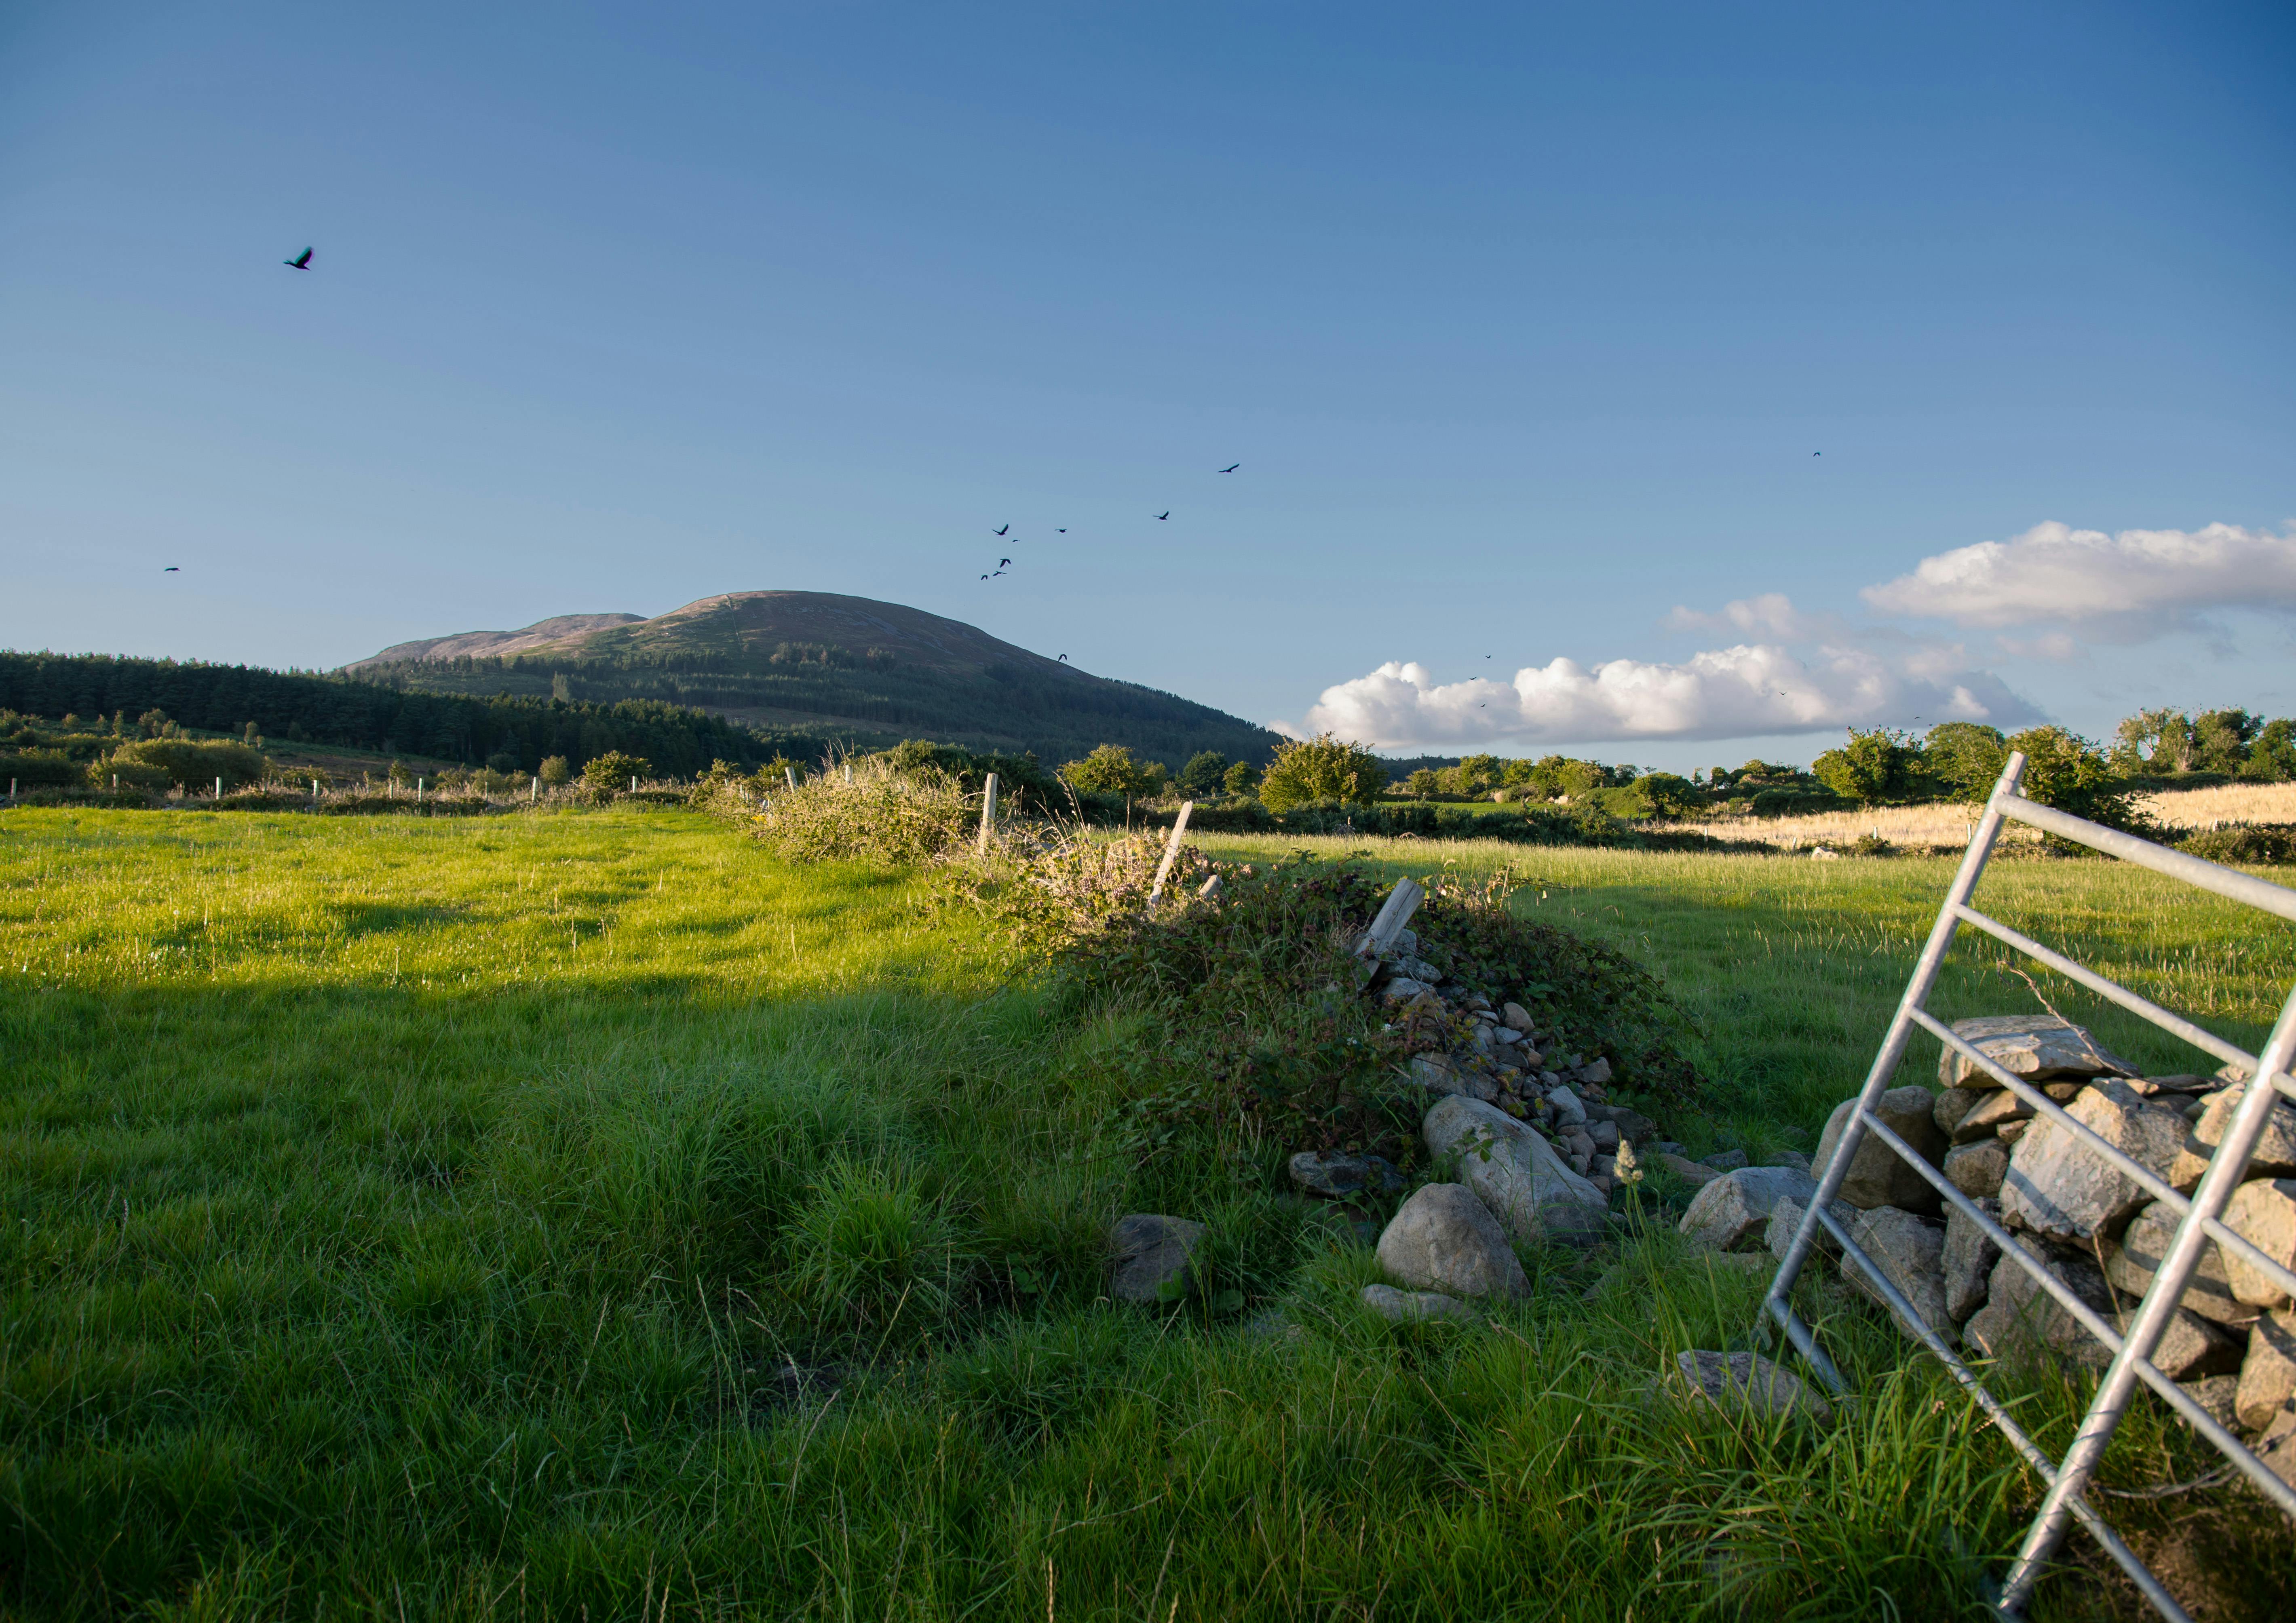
481,644
819,668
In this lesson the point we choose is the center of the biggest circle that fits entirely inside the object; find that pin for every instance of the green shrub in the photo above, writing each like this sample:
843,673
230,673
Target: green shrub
195,763
1109,769
2065,770
884,814
609,775
1878,766
554,773
2249,843
49,769
1241,779
1204,774
1322,768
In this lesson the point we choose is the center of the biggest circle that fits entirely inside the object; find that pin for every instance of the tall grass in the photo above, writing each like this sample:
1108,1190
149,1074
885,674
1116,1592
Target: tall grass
586,1215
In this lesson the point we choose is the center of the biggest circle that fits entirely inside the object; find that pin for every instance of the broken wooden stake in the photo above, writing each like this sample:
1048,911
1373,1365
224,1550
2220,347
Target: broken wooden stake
1171,850
987,814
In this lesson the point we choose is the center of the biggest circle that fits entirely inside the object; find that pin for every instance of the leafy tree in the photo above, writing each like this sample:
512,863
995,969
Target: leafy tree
502,761
2065,770
1876,766
1202,774
1422,784
1241,778
2221,739
2272,757
1109,769
610,773
2156,741
1321,768
1963,757
555,773
1556,775
1477,774
1658,794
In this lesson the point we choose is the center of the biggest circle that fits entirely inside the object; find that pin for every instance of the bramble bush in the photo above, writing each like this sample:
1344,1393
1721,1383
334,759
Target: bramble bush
1322,768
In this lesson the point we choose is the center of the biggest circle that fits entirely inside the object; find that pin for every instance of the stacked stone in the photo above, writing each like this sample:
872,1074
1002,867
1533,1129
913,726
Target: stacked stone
2232,1342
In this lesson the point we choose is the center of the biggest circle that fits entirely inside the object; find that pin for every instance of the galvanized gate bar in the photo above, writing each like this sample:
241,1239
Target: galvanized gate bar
2104,1536
2208,1042
2199,1218
2260,894
2151,1182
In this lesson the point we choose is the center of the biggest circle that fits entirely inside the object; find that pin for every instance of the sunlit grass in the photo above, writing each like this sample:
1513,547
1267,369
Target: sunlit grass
583,1216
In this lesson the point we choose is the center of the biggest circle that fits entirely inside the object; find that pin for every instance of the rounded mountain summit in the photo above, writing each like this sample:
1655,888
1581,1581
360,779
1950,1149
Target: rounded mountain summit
846,669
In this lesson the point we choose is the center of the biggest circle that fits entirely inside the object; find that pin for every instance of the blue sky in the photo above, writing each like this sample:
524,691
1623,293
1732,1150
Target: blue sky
1524,324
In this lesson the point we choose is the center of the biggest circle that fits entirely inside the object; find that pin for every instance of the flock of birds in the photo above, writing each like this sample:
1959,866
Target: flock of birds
1003,532
302,262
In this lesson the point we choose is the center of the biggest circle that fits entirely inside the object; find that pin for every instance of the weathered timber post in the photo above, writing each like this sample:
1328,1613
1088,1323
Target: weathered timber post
1171,850
988,814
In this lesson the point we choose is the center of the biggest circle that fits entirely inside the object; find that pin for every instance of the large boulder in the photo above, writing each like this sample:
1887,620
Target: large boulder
1516,1173
2208,1293
1744,1382
1876,1175
1731,1213
1444,1239
1967,1259
2268,1375
1150,1257
2037,1047
2263,1213
1910,1254
2058,1186
2274,1155
2021,1321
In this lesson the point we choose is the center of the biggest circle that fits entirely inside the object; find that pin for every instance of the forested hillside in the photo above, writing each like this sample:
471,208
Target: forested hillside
852,668
336,710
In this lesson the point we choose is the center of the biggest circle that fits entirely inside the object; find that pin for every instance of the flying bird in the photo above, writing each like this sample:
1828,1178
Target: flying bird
1059,532
999,532
1064,658
1231,467
171,569
984,577
1000,571
1004,563
1817,453
301,261
1165,514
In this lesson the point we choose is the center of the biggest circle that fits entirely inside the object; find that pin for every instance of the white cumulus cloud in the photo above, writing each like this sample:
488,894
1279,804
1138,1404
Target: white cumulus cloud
1729,692
2124,588
1772,615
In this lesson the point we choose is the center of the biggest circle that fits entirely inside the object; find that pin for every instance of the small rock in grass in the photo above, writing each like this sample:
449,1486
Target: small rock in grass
2277,1446
1400,990
1731,1213
1416,1307
1569,1110
1746,1383
1788,1158
1692,1172
1343,1174
1725,1160
1663,1146
1152,1256
1596,1070
1445,1240
1442,1077
1977,1169
1517,1017
1605,1135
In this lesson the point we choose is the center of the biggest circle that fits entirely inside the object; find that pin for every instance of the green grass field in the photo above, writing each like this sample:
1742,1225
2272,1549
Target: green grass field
582,1216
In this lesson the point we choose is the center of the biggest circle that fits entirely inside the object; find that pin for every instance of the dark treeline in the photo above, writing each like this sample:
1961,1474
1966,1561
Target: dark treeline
1054,715
329,709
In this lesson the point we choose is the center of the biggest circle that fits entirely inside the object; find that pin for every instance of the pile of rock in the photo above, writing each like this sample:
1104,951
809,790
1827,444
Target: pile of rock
1468,1047
2232,1342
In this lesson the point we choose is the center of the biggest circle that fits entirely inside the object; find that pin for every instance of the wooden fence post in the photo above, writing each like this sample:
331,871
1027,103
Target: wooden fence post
1394,913
1171,850
791,774
219,788
988,814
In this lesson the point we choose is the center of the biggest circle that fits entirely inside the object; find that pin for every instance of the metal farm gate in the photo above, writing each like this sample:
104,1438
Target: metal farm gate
2198,1216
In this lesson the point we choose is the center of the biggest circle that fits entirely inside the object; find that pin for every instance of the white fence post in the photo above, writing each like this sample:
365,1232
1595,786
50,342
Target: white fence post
219,788
988,814
1171,850
791,774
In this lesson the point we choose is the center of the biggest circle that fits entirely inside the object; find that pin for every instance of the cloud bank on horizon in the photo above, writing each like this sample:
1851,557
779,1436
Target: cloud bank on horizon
1803,673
